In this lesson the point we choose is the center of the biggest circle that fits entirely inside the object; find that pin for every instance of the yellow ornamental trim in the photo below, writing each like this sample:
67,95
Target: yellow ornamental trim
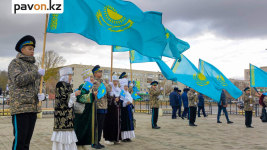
53,24
114,20
118,47
132,55
252,76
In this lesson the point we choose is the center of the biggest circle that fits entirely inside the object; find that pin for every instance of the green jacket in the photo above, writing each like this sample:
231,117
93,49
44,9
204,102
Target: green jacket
24,82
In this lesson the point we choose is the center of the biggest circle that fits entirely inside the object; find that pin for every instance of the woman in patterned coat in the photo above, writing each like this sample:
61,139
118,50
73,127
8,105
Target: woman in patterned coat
64,137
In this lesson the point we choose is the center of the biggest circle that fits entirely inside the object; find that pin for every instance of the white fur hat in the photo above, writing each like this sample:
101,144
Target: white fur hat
65,71
115,78
123,82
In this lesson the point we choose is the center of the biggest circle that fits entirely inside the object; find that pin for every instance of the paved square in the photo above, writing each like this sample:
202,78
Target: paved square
174,134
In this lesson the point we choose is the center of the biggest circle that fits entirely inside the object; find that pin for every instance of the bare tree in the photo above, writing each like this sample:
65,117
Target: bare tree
3,80
51,60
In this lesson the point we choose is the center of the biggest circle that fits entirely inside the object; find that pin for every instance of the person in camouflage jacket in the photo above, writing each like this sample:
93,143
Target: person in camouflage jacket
24,81
248,107
153,99
193,100
101,104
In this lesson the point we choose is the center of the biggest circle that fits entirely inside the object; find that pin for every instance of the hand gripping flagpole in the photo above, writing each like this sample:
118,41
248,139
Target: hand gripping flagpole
42,78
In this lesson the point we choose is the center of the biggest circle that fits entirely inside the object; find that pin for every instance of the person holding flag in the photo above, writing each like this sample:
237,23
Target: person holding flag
154,98
101,102
85,123
127,125
192,99
24,82
112,125
248,107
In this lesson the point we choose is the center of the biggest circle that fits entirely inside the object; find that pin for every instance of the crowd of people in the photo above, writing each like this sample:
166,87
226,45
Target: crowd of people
111,114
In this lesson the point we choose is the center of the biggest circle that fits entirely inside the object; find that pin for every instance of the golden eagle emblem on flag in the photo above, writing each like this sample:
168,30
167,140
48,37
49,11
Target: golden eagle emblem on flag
112,19
221,79
200,79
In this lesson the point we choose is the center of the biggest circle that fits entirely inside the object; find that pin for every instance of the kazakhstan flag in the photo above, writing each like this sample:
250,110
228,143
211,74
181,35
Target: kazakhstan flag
135,96
218,78
188,74
112,22
122,93
174,48
258,77
87,86
101,91
136,57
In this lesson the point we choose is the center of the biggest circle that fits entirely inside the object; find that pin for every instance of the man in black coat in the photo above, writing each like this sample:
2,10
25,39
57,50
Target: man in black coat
174,102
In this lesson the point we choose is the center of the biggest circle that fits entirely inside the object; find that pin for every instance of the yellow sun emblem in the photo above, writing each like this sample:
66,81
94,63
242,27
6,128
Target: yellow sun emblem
118,47
200,79
103,91
167,34
221,79
113,19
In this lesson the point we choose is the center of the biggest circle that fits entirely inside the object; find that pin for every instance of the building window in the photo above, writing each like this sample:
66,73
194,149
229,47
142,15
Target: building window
137,74
133,74
119,72
141,79
129,73
141,89
141,74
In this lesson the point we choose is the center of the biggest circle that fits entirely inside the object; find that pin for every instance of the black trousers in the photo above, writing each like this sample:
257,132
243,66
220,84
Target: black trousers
100,123
23,127
192,115
248,116
155,114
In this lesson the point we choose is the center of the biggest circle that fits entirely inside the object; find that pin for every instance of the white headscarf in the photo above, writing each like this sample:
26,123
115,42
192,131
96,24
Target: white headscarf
123,82
64,78
115,90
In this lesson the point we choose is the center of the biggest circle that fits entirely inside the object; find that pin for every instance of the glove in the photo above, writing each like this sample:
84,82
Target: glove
250,97
131,84
41,72
195,93
161,88
195,103
251,105
41,97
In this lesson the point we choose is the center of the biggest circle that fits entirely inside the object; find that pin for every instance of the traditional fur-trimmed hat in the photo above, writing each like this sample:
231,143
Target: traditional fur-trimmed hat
154,83
24,41
123,75
96,69
86,74
115,78
65,71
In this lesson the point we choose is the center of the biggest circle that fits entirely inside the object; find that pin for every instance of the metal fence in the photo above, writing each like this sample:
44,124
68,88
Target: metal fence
144,107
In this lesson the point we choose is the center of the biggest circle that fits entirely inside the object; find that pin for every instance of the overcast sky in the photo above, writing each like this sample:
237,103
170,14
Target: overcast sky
229,34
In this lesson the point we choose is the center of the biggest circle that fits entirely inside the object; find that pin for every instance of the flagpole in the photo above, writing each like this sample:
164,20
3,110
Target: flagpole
42,78
250,82
111,63
131,67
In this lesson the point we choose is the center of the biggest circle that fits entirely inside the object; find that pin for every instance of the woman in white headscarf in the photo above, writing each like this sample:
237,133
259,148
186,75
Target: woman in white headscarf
127,126
112,120
64,137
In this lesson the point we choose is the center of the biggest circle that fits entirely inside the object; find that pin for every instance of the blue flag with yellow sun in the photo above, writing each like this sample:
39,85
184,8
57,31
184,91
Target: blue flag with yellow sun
87,86
188,74
112,22
258,77
174,48
135,96
218,78
101,91
122,93
136,57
